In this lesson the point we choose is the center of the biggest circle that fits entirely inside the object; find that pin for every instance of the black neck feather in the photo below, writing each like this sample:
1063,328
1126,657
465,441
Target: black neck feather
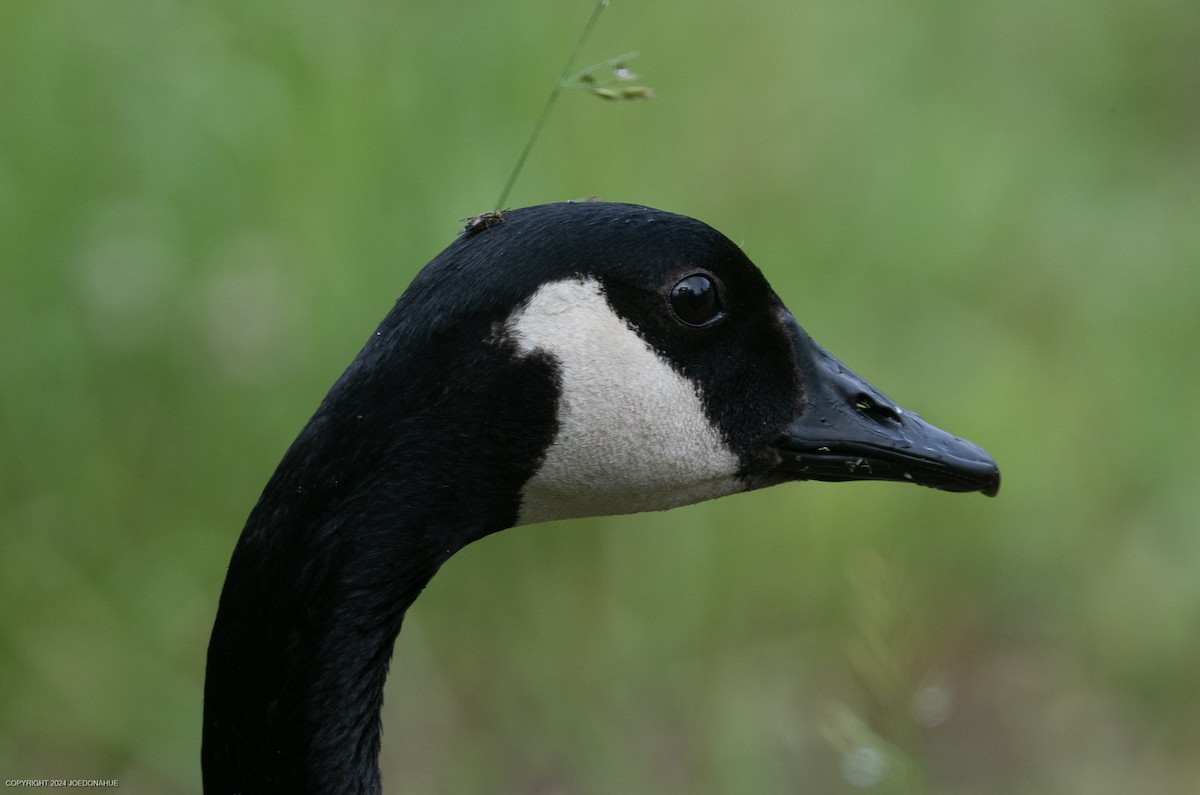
406,461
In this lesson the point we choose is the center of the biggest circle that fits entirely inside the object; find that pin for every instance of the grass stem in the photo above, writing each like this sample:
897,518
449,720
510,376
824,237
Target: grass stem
558,87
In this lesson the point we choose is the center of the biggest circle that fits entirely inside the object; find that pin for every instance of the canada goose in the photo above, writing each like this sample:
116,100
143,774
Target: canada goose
557,361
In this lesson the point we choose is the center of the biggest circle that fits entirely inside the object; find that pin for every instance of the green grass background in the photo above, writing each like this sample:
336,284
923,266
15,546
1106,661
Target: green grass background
992,210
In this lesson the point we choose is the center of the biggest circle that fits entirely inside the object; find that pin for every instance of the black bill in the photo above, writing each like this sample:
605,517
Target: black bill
849,430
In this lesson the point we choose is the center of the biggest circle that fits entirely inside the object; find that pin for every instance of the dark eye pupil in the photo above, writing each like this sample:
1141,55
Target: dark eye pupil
694,300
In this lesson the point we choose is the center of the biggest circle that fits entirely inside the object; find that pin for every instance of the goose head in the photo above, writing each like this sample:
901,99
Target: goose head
678,373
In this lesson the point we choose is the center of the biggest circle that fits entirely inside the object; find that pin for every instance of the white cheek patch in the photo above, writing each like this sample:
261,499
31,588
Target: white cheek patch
633,435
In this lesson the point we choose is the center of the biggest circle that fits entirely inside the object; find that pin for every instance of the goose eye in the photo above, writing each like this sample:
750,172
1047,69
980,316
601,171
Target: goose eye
695,300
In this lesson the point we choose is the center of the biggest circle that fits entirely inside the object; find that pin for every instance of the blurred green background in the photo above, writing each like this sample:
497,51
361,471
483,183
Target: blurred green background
991,210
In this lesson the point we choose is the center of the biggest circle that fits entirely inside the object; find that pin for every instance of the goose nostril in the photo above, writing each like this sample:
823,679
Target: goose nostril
870,407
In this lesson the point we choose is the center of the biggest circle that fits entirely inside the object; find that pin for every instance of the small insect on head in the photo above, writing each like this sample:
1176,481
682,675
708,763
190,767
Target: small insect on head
482,221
